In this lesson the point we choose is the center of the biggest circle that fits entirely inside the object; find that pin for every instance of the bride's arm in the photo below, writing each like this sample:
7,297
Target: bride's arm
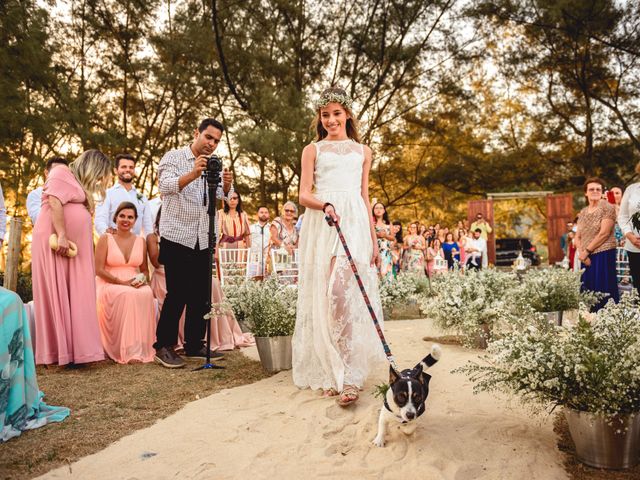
365,194
306,198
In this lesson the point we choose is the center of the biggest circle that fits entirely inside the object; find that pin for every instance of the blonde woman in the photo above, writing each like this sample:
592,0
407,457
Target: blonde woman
64,287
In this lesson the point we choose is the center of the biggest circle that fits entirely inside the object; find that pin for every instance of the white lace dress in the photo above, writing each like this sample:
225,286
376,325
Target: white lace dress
335,342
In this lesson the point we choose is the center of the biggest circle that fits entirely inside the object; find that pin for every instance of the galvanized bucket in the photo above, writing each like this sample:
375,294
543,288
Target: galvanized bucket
275,353
554,317
614,444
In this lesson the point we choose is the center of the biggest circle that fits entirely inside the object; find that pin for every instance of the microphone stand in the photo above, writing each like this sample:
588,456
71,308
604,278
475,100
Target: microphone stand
212,185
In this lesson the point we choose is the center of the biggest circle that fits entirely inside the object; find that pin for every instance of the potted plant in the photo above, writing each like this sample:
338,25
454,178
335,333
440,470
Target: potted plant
399,295
552,291
268,309
474,304
590,369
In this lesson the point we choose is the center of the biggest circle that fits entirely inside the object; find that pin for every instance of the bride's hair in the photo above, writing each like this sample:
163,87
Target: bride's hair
335,95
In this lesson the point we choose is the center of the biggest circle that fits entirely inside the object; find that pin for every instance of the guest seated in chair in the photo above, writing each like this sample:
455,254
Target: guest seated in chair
126,309
21,405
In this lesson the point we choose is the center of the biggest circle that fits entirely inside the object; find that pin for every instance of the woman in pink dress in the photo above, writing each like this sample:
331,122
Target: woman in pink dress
226,333
126,308
64,289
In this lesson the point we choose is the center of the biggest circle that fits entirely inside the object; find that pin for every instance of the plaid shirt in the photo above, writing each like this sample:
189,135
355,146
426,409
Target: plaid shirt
184,218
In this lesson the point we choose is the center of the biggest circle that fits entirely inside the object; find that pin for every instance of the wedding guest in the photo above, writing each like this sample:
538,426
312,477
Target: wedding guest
596,243
630,206
414,248
260,241
64,288
476,248
451,251
396,249
21,405
435,249
461,240
482,225
385,238
34,199
283,231
124,191
564,239
234,224
126,308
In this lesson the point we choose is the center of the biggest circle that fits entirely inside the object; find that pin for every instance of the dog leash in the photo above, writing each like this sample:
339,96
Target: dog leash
387,350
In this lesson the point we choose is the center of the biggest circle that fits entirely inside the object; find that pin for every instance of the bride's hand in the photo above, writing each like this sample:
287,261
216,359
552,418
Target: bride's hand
329,211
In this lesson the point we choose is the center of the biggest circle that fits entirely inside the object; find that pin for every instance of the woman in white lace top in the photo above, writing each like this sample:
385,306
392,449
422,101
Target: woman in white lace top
335,344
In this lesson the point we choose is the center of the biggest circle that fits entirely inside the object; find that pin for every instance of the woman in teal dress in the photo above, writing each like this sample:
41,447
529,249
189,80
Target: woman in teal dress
21,405
385,240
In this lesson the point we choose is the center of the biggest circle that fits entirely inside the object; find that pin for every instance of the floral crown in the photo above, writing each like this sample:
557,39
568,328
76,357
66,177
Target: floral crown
334,95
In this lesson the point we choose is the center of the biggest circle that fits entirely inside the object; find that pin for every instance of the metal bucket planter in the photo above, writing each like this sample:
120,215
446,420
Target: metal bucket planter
275,353
554,317
614,445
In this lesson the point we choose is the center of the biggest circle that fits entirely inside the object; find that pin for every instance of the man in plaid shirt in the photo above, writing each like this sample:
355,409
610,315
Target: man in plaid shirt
184,227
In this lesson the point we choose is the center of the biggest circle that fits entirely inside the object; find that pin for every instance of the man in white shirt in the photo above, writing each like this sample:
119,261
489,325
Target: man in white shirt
124,191
34,199
3,218
476,248
260,239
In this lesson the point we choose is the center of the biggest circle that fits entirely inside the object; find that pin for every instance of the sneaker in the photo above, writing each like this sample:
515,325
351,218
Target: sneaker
202,353
167,357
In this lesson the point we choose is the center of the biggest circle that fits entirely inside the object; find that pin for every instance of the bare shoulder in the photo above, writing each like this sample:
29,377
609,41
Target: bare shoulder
309,151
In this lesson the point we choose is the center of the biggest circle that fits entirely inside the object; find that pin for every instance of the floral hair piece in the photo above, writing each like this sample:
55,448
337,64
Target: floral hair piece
334,95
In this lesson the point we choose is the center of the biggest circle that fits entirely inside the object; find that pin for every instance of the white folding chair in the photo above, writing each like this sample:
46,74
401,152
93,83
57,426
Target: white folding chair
285,266
233,265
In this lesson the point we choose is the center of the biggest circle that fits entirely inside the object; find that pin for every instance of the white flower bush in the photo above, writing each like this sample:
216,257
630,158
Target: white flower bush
406,287
472,303
590,367
267,308
552,290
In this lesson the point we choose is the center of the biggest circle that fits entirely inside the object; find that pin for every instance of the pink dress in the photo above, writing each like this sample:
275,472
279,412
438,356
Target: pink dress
127,315
64,289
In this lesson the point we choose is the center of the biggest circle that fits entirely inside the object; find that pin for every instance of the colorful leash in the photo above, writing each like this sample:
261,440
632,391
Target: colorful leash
387,350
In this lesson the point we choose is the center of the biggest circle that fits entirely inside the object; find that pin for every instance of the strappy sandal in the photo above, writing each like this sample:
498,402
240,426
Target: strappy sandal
349,395
329,392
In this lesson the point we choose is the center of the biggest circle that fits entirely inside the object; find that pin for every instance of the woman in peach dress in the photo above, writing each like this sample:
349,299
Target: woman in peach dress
64,289
126,307
226,333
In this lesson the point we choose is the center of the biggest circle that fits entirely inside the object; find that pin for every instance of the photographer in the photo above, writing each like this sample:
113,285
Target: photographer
184,227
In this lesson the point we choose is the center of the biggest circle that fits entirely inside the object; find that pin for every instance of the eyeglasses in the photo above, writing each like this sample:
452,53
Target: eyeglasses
289,211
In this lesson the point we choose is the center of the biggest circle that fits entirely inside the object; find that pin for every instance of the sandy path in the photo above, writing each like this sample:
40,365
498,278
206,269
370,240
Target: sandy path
270,429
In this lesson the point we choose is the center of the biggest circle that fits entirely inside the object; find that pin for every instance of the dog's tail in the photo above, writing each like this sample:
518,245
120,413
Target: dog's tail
432,358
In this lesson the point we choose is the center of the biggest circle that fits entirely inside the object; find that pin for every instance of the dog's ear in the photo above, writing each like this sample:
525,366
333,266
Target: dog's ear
393,375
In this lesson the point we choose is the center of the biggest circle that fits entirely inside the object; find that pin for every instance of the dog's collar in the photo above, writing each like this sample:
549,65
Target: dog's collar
386,405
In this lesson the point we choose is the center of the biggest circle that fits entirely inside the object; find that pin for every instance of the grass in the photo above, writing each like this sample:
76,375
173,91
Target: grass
580,471
109,401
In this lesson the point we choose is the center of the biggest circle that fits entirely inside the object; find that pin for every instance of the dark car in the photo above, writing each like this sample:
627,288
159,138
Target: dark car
508,249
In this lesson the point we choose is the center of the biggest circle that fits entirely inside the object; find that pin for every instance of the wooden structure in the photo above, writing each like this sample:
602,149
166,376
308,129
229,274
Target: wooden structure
13,254
559,212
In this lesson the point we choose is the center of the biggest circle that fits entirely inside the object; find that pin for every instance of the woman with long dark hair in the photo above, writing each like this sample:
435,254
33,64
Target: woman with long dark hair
385,239
234,224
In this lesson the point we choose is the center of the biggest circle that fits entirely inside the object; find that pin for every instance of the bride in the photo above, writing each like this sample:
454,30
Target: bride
335,343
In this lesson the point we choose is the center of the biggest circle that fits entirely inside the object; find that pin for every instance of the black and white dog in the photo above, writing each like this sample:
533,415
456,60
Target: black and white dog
404,400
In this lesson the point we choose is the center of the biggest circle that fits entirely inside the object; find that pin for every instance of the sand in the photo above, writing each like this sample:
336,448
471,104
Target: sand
271,429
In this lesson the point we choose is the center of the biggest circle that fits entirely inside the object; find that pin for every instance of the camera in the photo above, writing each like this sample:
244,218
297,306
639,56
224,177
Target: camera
213,170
